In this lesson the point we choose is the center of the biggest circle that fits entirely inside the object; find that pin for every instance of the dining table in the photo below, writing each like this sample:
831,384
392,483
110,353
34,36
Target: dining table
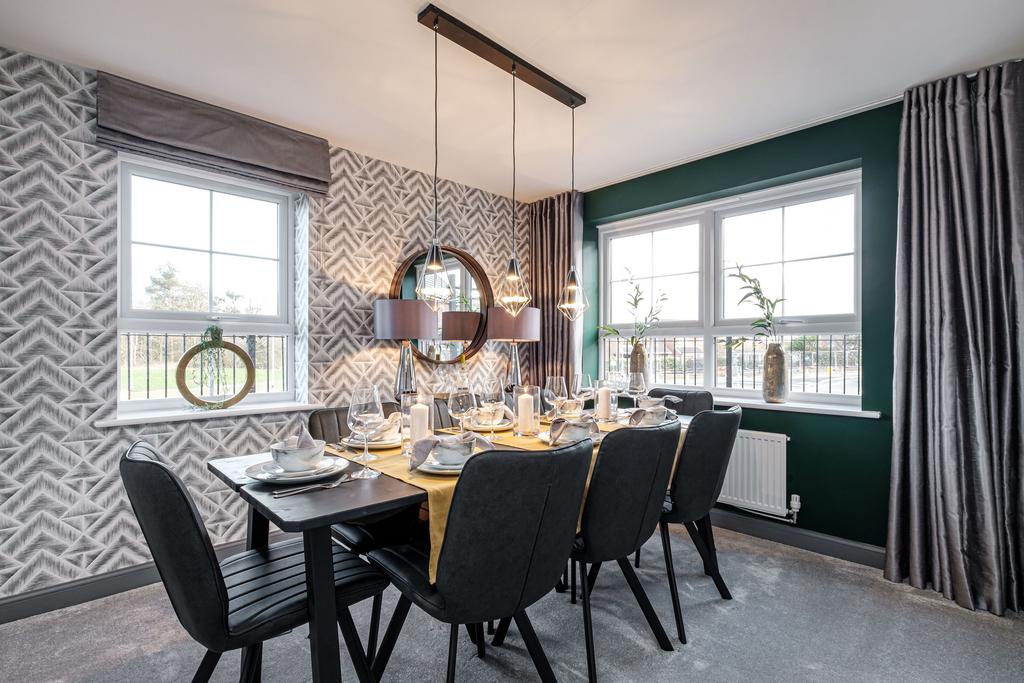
313,513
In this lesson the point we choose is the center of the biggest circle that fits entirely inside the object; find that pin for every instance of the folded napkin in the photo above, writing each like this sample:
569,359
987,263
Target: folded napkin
649,402
389,430
650,416
300,440
570,431
423,448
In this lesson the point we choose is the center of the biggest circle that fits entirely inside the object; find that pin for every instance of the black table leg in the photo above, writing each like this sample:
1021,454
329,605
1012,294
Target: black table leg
257,530
323,629
257,537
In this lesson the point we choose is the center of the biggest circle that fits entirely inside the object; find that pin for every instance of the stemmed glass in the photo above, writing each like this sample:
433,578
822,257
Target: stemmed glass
365,416
555,392
582,387
492,399
461,404
636,387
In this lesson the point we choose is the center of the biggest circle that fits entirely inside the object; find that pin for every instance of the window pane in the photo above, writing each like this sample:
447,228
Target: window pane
242,225
170,214
683,296
622,295
819,287
166,279
677,250
752,238
820,228
630,256
245,286
818,364
771,282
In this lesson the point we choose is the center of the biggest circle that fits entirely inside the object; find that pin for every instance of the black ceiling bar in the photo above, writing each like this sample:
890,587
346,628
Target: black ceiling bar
482,46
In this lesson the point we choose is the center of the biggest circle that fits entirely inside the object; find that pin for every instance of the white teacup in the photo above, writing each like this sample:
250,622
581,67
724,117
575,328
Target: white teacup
571,408
295,459
453,453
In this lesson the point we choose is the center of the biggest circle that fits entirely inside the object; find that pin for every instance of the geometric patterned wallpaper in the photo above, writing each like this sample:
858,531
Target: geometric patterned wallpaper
63,511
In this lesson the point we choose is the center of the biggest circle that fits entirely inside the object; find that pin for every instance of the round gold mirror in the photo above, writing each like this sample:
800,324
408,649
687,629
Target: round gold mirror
462,323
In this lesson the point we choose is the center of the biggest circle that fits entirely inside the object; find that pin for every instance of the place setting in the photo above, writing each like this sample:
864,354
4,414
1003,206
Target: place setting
298,459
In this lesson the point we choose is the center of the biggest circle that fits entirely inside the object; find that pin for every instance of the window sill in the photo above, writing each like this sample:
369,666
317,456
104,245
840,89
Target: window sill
796,407
183,415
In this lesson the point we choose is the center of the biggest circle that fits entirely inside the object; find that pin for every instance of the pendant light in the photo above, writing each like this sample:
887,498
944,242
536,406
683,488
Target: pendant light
432,283
573,302
513,294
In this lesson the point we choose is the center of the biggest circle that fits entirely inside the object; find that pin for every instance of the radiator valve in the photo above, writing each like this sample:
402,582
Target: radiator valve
794,503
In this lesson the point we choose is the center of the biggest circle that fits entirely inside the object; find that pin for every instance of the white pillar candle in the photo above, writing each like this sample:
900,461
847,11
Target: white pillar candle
525,413
419,422
604,403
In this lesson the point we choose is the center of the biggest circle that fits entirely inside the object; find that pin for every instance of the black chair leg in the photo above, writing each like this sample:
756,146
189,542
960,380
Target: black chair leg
499,635
371,638
490,627
645,604
251,669
350,634
588,633
387,643
453,648
636,559
572,582
706,532
563,581
666,546
471,630
206,667
592,575
533,646
481,646
700,545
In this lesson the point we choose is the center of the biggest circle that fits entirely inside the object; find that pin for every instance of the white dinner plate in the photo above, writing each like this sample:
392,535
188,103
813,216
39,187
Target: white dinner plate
545,436
357,443
270,472
432,467
502,426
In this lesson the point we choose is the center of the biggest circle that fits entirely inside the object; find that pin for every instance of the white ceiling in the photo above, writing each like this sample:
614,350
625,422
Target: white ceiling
666,80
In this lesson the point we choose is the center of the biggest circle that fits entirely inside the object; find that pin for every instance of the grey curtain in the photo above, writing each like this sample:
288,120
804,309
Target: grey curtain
138,118
956,521
551,231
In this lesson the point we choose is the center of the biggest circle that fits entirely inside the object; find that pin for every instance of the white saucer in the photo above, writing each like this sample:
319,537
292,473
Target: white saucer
357,443
270,472
502,426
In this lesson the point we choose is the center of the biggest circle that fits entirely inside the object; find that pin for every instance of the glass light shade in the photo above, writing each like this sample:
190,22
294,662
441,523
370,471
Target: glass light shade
573,302
513,294
432,284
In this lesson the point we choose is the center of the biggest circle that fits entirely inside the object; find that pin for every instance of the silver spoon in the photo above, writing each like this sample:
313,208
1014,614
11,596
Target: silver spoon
312,487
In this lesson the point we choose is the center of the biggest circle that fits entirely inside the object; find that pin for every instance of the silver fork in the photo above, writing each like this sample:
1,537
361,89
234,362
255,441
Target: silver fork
312,487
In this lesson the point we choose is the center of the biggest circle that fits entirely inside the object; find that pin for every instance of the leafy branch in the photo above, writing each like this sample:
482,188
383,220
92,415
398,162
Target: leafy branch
765,325
641,326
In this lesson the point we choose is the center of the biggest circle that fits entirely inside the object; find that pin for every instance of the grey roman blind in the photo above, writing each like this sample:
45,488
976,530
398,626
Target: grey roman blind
133,117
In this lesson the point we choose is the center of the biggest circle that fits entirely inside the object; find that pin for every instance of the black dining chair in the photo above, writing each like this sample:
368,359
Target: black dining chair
510,528
246,599
688,402
624,501
697,483
376,531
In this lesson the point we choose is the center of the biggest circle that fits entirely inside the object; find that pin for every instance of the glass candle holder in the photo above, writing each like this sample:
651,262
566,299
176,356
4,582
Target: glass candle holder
417,417
606,401
526,402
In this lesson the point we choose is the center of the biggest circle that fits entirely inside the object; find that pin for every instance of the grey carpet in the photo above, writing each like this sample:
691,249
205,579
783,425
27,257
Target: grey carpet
796,616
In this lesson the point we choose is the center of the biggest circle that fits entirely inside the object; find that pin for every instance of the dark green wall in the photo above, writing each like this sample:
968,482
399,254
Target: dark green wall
838,465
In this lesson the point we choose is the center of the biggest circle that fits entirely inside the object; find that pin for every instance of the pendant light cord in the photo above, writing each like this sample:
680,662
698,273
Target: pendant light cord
572,153
513,213
436,218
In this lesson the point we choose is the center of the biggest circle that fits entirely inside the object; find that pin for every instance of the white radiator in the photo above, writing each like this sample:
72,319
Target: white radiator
756,478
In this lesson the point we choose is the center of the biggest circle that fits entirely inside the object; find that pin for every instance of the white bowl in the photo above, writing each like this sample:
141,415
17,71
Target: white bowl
458,454
654,416
297,459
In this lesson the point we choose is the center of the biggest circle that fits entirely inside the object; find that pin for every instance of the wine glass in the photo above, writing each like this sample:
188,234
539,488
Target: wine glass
636,387
461,404
582,387
365,416
492,399
555,392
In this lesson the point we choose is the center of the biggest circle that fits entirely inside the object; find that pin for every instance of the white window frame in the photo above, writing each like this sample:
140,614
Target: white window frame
709,215
132,320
